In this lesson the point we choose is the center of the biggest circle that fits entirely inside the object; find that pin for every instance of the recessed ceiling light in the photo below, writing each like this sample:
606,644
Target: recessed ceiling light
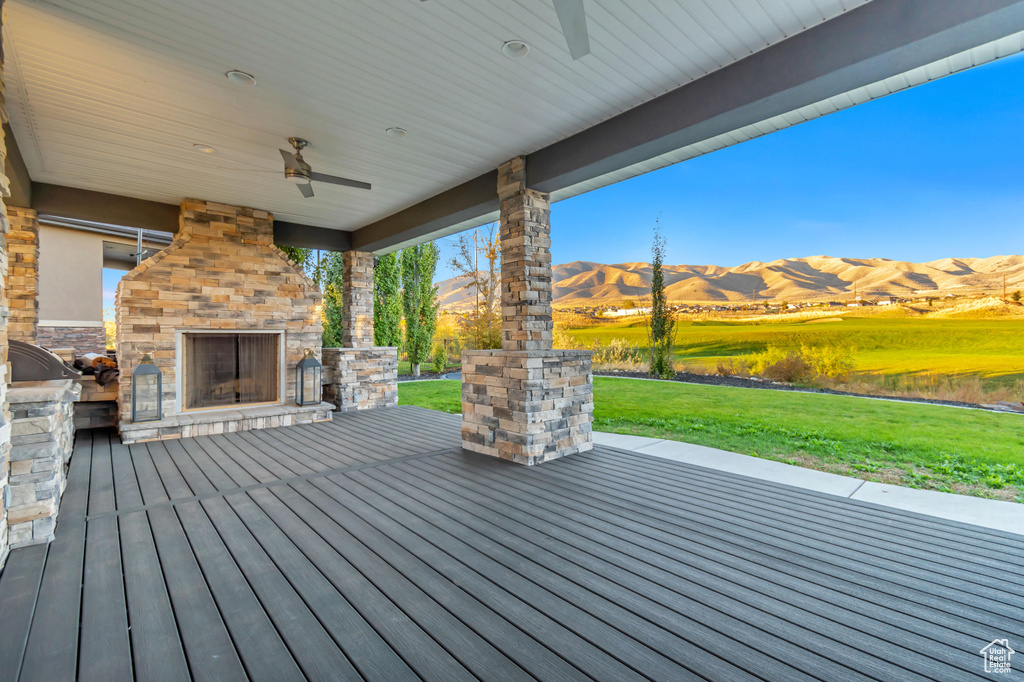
240,77
397,132
515,49
204,148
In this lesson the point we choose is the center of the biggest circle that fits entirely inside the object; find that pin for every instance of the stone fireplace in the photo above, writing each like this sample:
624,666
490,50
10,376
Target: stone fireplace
229,317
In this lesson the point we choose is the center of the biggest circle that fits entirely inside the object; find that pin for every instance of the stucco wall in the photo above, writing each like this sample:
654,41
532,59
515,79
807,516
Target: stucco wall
70,277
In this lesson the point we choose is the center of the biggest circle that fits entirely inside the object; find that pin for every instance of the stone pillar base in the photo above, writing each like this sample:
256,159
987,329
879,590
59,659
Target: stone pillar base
42,438
527,406
360,378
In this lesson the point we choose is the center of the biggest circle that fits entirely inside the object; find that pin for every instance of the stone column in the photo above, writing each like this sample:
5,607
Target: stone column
359,375
526,403
23,274
525,261
357,299
5,408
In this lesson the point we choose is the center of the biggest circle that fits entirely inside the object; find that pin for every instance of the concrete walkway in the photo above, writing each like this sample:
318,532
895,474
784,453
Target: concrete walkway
1006,516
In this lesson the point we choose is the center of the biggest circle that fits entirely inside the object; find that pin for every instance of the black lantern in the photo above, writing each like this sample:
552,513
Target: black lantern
147,391
308,388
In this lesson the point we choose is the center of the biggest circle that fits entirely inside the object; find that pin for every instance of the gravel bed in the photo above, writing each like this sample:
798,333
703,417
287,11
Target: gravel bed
740,382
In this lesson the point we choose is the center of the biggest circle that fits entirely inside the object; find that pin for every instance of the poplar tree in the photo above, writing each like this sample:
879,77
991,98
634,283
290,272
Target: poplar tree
661,325
387,301
419,300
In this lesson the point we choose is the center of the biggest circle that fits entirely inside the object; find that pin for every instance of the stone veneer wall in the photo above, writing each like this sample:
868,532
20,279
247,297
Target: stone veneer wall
23,274
357,299
5,409
43,435
222,272
82,339
526,403
527,406
361,378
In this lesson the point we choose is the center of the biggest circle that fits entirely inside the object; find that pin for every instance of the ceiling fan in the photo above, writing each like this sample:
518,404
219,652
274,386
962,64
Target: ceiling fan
573,19
299,172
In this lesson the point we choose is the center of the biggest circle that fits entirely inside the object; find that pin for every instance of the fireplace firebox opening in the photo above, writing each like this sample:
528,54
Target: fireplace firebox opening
223,370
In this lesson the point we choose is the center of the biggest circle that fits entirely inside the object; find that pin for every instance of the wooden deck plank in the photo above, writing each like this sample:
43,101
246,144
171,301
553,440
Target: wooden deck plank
872,514
665,579
239,474
173,480
52,649
795,510
781,545
294,459
414,645
101,481
474,652
369,652
218,478
319,656
127,493
372,547
263,652
197,480
209,650
262,470
812,589
105,652
291,439
150,485
686,641
157,651
806,539
346,453
19,588
525,631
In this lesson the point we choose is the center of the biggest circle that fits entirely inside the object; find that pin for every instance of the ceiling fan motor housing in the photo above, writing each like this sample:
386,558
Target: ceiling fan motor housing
299,174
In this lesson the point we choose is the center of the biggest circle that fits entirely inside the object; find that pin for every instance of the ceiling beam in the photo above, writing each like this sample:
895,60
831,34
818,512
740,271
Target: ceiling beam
875,41
311,237
58,201
16,172
99,207
475,198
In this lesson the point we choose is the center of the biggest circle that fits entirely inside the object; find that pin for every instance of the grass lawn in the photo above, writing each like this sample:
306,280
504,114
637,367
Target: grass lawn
988,348
405,367
928,446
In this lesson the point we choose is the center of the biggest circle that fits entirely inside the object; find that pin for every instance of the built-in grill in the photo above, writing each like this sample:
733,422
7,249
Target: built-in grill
32,363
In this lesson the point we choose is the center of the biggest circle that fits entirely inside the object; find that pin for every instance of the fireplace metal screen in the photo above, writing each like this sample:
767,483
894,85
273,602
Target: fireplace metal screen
221,370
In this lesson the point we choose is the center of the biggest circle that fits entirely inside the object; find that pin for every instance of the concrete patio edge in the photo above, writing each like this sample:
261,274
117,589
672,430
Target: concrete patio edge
995,514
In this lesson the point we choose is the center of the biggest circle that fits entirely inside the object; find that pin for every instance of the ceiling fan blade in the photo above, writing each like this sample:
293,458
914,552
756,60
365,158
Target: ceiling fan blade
573,19
306,189
335,180
289,160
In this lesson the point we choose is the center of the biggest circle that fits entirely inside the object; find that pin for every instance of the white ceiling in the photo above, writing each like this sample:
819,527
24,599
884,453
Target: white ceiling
110,95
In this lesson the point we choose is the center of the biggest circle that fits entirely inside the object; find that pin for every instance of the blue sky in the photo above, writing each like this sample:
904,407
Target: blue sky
932,172
928,173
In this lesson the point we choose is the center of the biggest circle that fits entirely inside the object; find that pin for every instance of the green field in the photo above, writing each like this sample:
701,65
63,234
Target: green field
989,348
930,446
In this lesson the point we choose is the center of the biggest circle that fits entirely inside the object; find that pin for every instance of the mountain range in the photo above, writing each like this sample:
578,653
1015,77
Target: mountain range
582,283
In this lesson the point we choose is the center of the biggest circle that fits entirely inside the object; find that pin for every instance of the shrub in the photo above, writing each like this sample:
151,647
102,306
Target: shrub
618,352
830,360
439,358
779,364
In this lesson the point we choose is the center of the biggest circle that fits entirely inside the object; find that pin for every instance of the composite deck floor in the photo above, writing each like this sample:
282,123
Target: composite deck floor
373,548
